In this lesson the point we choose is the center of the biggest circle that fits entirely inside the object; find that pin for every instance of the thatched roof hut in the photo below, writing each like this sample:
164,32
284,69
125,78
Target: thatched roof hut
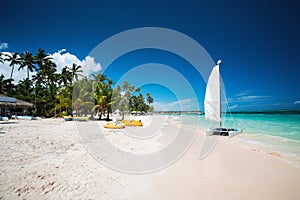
11,102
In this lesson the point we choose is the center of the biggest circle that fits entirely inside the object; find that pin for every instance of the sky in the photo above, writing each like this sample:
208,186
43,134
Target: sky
258,42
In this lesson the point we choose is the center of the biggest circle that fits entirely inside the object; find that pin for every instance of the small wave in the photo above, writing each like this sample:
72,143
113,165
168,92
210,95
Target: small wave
253,142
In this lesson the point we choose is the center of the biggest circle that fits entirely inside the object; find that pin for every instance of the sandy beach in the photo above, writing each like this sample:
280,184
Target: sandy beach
48,159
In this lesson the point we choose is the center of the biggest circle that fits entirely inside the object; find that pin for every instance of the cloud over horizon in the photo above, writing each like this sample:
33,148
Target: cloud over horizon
246,96
297,102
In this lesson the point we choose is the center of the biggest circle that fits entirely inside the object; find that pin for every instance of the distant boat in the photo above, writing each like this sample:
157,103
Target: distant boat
212,105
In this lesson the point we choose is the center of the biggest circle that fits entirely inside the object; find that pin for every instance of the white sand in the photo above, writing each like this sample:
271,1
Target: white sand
45,159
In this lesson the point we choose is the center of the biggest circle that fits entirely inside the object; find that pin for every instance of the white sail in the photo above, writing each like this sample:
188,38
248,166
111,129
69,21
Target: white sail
212,104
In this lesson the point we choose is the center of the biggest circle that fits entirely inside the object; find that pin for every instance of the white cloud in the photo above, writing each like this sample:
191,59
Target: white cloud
233,106
184,105
243,93
252,98
89,66
61,51
62,58
297,102
3,45
245,96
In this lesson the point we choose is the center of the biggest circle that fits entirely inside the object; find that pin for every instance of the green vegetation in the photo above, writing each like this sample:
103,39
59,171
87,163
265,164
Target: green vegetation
55,93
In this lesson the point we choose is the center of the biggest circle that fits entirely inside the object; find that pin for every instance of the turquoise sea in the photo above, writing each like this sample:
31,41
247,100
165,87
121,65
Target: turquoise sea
272,131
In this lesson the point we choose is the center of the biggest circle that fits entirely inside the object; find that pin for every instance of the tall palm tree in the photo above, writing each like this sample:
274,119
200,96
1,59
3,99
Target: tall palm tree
109,100
64,99
27,60
125,100
48,71
66,76
102,92
128,89
149,98
99,77
41,57
51,87
82,96
14,59
75,71
99,93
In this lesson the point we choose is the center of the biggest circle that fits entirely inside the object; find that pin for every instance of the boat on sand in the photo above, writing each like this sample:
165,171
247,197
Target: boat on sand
132,122
70,118
114,125
212,105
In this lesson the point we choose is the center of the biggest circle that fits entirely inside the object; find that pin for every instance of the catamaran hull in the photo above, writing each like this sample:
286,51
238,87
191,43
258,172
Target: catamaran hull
230,132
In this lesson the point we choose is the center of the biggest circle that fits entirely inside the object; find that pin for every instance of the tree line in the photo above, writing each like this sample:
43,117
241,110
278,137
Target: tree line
58,93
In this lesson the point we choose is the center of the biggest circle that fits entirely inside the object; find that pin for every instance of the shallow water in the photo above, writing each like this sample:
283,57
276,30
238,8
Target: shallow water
273,132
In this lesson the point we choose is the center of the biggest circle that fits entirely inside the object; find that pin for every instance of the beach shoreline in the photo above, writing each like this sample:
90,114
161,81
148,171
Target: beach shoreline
47,159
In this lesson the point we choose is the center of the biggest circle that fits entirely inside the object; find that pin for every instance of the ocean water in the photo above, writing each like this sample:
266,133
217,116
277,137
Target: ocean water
273,132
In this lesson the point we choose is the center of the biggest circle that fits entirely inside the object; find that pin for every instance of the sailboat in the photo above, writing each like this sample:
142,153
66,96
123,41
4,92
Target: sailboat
212,104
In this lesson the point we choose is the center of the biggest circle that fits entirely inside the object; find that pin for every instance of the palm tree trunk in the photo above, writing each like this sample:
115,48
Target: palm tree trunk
27,73
12,71
107,118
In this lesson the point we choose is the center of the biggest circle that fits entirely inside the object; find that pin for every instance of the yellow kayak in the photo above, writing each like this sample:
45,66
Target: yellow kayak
70,118
80,118
132,122
113,125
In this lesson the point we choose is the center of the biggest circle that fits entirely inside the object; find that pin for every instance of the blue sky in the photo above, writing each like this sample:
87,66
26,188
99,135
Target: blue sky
258,41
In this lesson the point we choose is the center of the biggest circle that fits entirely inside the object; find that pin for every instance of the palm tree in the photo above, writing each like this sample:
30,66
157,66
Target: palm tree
50,80
1,59
14,60
100,94
82,96
109,100
99,77
25,90
64,99
138,90
27,60
6,86
48,71
75,70
66,76
41,57
149,98
128,90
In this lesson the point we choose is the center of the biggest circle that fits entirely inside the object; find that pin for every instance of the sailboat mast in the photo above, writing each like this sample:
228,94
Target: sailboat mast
219,63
